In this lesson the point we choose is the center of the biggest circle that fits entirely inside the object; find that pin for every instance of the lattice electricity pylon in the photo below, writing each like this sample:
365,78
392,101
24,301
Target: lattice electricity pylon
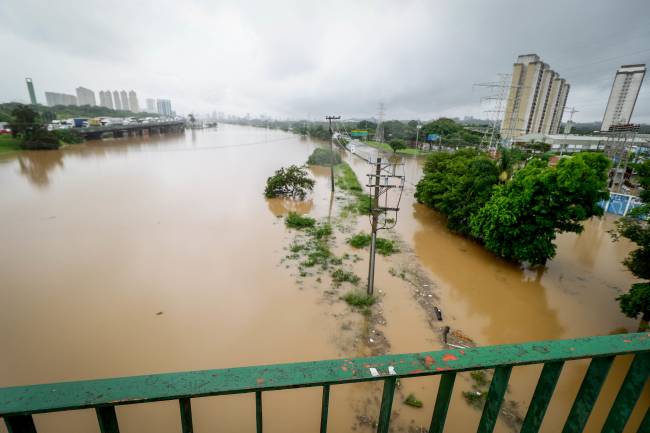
620,139
385,187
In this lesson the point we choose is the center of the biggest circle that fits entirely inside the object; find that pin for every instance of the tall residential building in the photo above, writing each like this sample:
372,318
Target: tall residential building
622,98
106,99
30,90
164,107
85,97
54,98
151,105
133,101
536,99
116,100
125,101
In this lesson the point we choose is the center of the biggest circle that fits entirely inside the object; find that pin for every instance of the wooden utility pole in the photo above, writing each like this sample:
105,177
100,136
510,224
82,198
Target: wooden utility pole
330,118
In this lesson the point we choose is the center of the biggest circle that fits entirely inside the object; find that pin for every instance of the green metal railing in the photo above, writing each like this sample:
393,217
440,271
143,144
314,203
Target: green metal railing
17,404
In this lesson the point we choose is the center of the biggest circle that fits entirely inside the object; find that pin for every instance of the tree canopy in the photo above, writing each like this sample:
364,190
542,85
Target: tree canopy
518,219
636,228
291,182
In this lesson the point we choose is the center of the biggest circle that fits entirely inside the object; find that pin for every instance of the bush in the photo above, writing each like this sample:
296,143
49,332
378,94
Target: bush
40,139
385,247
359,299
69,136
297,221
340,276
321,156
290,182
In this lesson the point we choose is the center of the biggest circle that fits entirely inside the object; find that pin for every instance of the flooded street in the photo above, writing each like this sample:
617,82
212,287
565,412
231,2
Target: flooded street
158,254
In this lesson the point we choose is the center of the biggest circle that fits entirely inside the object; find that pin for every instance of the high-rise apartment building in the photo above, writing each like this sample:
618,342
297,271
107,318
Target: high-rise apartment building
622,98
85,96
536,99
133,101
151,105
30,90
125,101
116,100
164,107
106,99
54,98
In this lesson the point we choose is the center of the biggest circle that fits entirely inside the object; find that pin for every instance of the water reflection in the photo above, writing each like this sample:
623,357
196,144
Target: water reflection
282,206
36,166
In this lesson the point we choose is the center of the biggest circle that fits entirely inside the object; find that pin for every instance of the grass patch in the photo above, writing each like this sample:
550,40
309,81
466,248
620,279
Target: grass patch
297,221
8,144
412,401
321,231
340,276
346,179
412,151
359,299
381,146
321,156
385,247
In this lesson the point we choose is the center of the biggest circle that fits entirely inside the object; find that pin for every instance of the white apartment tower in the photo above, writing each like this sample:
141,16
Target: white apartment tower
622,98
536,99
116,100
125,100
133,101
85,97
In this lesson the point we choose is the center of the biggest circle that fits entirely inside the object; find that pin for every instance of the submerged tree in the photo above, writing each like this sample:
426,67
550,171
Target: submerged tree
291,182
457,184
523,216
636,228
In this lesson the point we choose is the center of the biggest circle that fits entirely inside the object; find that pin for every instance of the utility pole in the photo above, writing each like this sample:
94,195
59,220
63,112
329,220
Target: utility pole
381,183
417,135
330,118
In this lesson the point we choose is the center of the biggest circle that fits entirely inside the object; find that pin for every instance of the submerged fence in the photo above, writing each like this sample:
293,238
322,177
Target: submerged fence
18,404
620,204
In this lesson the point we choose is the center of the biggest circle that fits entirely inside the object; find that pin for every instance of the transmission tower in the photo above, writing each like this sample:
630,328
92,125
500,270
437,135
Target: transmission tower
385,185
620,139
499,94
379,133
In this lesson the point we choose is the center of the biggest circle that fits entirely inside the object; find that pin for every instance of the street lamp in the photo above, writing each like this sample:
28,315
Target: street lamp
417,135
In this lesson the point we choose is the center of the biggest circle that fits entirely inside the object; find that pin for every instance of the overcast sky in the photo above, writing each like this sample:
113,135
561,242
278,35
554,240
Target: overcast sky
304,57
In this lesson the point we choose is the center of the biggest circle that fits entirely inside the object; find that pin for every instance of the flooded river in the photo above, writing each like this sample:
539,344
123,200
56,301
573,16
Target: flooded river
157,254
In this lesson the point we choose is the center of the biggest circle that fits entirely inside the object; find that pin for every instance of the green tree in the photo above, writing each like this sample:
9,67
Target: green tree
397,144
636,228
457,184
24,120
291,182
523,216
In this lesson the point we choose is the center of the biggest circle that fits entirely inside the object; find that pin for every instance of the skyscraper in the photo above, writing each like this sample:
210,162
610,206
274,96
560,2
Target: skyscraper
106,99
30,90
536,99
133,101
54,98
151,105
116,100
85,97
622,98
164,107
125,101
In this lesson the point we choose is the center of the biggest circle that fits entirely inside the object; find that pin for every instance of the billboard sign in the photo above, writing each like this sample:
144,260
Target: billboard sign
433,137
359,133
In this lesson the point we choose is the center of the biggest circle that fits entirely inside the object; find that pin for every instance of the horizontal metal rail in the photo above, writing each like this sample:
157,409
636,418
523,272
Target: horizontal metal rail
17,404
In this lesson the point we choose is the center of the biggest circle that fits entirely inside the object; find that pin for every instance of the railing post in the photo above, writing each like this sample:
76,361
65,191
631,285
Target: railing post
186,415
442,402
107,419
542,396
494,399
386,404
629,393
587,395
324,408
20,424
258,411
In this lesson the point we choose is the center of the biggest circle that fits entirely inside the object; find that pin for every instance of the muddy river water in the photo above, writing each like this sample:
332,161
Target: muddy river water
158,254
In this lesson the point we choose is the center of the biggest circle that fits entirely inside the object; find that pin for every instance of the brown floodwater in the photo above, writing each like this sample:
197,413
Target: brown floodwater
157,254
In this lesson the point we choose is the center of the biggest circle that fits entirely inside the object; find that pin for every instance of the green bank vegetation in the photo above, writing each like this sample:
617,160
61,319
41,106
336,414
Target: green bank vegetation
293,182
347,181
324,157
